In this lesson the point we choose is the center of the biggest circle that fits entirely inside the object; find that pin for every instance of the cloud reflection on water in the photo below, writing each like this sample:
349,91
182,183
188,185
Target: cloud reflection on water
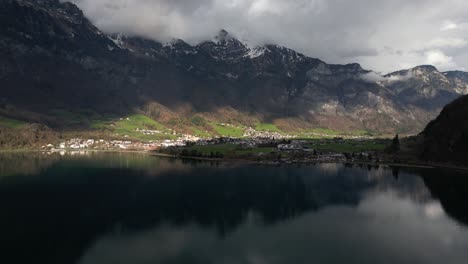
383,228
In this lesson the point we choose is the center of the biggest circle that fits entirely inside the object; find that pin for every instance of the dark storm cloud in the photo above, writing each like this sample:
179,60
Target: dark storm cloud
337,31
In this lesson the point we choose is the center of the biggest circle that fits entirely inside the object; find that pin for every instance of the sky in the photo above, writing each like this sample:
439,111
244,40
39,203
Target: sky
381,35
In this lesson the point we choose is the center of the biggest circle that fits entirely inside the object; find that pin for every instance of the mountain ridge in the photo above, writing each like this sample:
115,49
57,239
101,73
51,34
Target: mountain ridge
52,53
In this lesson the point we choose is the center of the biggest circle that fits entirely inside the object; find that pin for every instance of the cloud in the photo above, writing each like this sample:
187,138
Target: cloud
448,43
448,25
374,77
437,57
335,31
372,232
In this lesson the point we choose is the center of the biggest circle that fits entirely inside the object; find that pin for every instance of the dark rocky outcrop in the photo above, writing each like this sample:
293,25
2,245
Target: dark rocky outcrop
446,138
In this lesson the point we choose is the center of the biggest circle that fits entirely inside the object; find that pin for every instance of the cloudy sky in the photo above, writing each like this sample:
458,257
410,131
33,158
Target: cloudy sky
381,35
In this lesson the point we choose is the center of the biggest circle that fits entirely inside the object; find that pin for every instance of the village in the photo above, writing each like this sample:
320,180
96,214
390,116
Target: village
261,146
251,137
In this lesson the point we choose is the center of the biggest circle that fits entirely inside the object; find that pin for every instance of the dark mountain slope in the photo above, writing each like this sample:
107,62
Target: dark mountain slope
52,57
446,138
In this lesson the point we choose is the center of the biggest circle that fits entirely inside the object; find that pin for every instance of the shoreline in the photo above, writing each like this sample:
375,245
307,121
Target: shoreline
410,164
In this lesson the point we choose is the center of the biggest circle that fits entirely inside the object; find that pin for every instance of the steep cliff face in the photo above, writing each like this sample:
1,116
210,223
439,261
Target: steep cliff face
446,138
51,56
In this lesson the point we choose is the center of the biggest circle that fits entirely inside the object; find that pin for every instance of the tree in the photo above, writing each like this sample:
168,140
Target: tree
185,153
395,144
348,155
194,153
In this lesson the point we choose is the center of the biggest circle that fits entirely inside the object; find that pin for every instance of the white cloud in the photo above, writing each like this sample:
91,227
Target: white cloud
373,77
448,43
382,35
448,25
434,210
440,60
262,7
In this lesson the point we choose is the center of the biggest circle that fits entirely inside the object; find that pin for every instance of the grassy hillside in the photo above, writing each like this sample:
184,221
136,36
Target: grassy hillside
149,123
11,123
227,130
267,127
137,126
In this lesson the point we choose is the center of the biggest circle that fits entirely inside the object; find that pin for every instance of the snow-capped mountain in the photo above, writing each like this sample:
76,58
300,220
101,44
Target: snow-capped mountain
51,56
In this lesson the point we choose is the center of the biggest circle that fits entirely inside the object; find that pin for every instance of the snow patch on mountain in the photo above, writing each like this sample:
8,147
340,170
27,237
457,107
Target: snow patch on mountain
118,40
256,52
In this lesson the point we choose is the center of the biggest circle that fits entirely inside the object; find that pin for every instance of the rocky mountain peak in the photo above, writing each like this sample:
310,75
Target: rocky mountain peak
349,68
459,80
52,53
426,72
224,46
51,26
54,7
457,74
429,74
222,36
425,68
178,43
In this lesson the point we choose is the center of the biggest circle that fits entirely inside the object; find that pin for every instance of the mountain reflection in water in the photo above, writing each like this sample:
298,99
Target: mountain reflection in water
134,208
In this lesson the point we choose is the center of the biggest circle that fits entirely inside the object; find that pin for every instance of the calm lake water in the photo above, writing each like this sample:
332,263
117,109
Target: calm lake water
135,208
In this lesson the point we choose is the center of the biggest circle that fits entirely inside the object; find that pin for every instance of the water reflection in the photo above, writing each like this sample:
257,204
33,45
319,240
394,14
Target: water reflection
452,192
24,163
132,208
383,229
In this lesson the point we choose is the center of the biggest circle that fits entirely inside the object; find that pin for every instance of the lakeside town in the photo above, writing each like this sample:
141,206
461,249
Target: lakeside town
259,146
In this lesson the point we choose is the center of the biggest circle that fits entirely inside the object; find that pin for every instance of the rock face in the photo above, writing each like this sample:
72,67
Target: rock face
446,138
52,57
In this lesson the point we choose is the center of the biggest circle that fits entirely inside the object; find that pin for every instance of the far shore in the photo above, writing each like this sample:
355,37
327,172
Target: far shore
409,164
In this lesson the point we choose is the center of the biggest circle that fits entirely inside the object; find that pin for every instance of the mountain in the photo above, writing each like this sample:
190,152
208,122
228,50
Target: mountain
53,59
426,87
446,138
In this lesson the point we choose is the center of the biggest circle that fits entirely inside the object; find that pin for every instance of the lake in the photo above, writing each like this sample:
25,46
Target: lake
135,208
